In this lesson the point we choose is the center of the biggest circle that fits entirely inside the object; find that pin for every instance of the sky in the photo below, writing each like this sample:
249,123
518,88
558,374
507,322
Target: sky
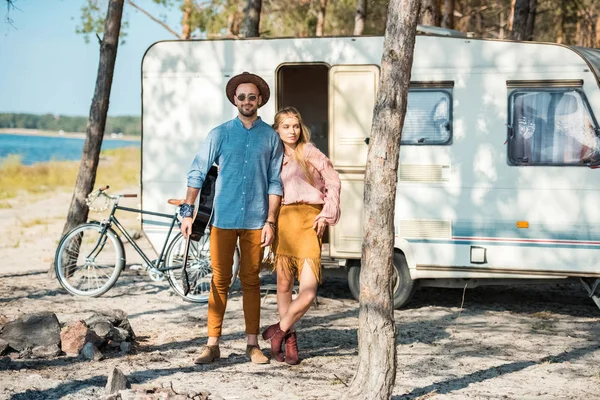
45,67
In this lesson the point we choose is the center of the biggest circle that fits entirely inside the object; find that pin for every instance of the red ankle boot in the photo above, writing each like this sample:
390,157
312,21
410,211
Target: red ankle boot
276,336
291,349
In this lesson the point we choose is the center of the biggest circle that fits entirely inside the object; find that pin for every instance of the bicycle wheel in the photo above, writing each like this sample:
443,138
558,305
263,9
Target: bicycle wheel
199,267
87,262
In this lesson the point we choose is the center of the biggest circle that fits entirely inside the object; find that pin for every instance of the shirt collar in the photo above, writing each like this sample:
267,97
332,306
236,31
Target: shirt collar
239,121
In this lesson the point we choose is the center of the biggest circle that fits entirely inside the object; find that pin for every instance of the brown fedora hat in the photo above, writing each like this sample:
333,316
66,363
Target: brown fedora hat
247,77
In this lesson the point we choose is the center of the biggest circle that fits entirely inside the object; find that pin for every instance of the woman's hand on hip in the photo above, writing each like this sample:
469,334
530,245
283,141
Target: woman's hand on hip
319,226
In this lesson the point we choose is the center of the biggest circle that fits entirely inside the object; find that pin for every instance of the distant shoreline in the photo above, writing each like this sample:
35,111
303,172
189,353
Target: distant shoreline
75,135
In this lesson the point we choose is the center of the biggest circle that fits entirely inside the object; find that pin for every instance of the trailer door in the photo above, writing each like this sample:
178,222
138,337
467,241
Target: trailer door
352,94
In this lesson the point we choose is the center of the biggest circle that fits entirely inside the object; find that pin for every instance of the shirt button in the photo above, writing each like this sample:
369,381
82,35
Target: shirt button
242,208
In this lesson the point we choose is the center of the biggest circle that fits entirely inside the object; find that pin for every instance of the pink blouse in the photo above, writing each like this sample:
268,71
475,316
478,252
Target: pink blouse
326,191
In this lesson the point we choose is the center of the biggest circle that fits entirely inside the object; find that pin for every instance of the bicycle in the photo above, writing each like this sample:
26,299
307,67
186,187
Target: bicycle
89,258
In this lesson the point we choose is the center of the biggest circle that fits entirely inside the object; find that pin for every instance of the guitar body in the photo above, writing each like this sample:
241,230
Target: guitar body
205,204
204,208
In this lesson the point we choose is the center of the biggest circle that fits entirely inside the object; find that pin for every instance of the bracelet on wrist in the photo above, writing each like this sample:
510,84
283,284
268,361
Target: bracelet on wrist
186,210
271,224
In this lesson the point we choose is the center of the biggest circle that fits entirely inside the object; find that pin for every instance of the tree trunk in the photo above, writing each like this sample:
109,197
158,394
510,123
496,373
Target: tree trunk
430,12
252,20
521,13
502,26
597,35
448,14
511,15
560,23
321,17
376,370
530,26
360,18
578,35
86,177
186,29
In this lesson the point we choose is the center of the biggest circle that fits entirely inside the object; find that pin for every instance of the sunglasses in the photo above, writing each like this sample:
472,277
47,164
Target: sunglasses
251,97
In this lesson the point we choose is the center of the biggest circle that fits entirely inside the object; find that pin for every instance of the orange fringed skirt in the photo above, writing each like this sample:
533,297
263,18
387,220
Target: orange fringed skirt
296,242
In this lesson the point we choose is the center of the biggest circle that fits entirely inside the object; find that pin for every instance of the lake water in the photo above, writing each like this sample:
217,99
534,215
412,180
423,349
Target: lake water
33,149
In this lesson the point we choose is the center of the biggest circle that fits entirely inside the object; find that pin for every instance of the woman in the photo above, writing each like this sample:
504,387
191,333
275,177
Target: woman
311,202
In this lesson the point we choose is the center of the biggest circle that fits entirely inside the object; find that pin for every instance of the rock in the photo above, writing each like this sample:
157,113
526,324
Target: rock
116,381
113,316
125,347
46,351
3,320
127,326
3,347
96,318
119,334
25,353
113,345
102,328
91,352
117,315
32,330
199,395
76,335
4,362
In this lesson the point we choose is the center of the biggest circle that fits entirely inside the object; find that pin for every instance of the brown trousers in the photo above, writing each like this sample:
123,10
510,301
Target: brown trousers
222,248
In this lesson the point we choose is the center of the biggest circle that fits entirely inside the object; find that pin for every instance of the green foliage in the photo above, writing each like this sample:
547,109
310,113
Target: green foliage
92,20
129,125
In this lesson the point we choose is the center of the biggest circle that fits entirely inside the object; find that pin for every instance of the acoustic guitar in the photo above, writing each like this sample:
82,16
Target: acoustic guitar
204,207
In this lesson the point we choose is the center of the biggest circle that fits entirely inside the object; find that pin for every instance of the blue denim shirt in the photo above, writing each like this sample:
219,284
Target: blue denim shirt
249,163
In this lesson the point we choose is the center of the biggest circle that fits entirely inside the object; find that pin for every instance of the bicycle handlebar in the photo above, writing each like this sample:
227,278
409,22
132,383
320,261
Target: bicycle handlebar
103,189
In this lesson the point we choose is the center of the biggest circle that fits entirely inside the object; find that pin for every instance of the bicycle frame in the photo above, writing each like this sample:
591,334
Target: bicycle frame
113,220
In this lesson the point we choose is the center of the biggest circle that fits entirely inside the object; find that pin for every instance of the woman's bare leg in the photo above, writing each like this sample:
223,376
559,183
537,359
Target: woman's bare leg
297,308
285,285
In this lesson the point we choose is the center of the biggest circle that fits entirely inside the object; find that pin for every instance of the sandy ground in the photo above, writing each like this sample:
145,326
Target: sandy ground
508,342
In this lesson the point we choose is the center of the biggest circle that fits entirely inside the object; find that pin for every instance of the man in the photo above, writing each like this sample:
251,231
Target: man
247,197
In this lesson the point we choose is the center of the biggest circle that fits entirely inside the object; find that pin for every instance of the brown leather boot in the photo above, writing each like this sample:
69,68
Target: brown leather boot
276,336
256,355
208,355
291,349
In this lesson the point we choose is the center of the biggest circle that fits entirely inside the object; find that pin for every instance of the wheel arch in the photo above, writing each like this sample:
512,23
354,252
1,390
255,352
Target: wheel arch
403,246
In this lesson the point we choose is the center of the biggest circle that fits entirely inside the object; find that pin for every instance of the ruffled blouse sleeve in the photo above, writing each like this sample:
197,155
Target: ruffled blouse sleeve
319,161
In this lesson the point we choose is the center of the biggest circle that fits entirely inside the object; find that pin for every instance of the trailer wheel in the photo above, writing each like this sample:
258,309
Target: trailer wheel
404,286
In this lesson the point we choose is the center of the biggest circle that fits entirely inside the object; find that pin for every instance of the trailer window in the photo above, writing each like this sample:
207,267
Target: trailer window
428,117
551,127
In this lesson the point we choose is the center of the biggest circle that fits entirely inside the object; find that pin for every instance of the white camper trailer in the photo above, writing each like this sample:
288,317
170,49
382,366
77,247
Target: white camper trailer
497,179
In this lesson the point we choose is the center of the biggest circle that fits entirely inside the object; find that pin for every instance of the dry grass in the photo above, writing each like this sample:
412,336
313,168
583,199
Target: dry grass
118,168
34,222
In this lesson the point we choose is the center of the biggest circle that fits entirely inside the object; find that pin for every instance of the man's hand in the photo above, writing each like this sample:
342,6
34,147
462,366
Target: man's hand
267,236
186,226
320,226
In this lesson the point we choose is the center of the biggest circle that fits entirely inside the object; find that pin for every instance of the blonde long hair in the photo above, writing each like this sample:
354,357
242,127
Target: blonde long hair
302,140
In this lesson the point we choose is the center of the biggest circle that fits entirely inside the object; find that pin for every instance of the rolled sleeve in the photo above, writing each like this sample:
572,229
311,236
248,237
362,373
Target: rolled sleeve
274,177
331,209
203,161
